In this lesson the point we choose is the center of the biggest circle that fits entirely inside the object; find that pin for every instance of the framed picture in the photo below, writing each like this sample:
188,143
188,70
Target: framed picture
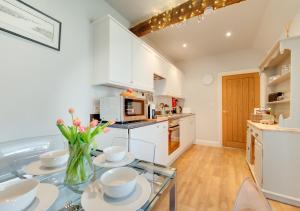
21,19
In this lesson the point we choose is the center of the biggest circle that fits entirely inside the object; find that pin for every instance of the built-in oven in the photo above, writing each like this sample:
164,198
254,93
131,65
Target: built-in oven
123,109
174,135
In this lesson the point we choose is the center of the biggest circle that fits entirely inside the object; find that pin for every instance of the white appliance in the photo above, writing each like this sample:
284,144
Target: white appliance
123,109
151,111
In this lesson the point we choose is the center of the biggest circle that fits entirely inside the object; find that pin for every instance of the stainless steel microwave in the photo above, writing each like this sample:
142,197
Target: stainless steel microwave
123,109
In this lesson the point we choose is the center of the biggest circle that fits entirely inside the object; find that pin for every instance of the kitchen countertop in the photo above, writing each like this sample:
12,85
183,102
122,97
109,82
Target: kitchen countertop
137,124
275,127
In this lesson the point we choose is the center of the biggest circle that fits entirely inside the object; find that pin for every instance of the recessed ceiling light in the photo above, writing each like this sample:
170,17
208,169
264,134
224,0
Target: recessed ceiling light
228,34
184,45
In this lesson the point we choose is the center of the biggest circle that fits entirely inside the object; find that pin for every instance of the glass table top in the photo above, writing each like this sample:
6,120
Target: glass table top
159,177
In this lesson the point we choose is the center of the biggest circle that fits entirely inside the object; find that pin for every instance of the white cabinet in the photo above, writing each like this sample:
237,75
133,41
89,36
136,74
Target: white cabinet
172,84
187,132
143,140
123,60
120,58
248,144
258,162
120,55
112,54
115,137
192,129
160,66
274,160
142,65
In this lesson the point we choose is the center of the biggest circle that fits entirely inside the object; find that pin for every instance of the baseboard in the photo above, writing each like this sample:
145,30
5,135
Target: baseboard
208,143
282,198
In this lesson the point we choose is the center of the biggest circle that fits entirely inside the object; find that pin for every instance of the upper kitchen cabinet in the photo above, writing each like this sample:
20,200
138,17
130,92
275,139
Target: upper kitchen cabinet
112,54
172,84
120,59
160,66
142,65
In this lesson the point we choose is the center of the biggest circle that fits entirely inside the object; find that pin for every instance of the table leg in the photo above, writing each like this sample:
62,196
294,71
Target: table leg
173,197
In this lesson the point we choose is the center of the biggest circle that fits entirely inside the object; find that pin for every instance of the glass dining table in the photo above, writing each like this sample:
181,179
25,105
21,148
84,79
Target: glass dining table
162,181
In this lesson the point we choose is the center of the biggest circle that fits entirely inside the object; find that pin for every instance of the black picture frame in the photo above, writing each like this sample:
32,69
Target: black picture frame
58,26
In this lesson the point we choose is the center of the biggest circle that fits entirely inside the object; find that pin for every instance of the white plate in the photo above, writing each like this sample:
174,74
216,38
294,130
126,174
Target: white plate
102,162
46,196
17,195
94,199
36,168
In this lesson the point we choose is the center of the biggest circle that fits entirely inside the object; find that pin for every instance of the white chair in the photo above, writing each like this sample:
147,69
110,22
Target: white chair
250,198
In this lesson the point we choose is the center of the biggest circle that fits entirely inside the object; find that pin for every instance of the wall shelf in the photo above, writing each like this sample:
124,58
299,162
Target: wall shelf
279,102
274,57
281,79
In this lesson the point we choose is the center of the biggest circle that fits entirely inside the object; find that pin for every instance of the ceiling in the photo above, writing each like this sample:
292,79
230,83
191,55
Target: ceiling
136,11
207,37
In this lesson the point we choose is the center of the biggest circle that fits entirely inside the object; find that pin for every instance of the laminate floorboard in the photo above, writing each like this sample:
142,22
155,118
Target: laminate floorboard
208,179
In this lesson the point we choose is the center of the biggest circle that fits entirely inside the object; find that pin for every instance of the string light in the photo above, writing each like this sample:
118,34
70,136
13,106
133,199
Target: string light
180,14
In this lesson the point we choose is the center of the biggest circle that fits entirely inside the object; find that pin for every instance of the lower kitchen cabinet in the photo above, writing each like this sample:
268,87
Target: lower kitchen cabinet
258,162
115,137
150,143
187,131
144,140
273,157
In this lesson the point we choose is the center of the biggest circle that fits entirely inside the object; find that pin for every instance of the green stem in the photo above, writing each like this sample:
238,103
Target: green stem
80,165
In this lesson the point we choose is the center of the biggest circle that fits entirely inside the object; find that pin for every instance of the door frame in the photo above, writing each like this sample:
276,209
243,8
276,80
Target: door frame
220,76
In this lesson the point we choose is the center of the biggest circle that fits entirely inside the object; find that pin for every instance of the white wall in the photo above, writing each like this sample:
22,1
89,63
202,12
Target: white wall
203,99
277,16
38,84
295,25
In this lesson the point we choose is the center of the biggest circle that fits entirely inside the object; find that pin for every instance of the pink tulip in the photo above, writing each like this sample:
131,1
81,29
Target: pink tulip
76,122
59,122
71,110
82,129
106,130
94,123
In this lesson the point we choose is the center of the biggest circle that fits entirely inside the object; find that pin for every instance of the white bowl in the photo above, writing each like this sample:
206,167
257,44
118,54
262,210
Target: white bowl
115,153
19,195
54,158
119,182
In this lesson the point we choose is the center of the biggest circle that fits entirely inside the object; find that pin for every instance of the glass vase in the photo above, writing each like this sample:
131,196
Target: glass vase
80,167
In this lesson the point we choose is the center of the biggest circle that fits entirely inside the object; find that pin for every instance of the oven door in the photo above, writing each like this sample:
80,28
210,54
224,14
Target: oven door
174,138
134,109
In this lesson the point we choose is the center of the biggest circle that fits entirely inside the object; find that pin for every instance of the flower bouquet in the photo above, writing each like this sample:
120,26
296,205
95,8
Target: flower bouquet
81,141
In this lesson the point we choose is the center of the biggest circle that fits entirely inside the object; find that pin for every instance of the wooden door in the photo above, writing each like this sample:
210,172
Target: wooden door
240,95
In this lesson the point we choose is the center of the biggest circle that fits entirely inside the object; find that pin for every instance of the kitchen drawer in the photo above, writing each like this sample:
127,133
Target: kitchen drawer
258,134
149,131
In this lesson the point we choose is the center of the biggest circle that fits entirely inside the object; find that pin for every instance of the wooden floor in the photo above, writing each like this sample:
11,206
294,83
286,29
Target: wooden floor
208,179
